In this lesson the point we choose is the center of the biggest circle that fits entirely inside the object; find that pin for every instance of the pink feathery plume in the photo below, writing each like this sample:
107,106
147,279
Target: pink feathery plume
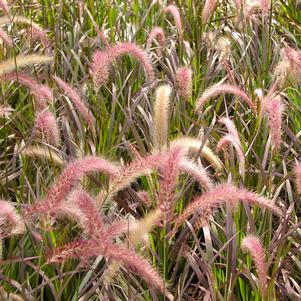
232,138
292,56
46,124
136,169
5,7
174,11
252,244
208,10
274,111
130,259
42,93
5,38
76,99
5,111
298,177
102,59
9,215
184,82
169,171
156,33
93,223
222,89
197,172
69,179
208,201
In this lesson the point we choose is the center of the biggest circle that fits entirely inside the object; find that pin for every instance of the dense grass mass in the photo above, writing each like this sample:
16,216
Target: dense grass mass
150,150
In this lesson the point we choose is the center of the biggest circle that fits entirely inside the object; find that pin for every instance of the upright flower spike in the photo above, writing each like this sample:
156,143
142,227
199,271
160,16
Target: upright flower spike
174,11
161,117
208,10
77,101
274,110
156,33
42,93
209,201
251,244
222,89
184,82
102,59
169,172
69,179
46,124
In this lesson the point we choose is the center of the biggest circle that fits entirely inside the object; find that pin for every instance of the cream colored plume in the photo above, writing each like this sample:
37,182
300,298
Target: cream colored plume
161,117
21,61
194,145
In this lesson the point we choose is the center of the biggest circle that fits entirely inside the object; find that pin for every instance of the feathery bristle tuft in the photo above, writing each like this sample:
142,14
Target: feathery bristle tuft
208,10
221,89
174,11
102,59
251,244
46,124
76,99
161,117
184,82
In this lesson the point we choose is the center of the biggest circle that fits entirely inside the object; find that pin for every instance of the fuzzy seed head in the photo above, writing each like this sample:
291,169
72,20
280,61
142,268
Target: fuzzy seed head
161,117
251,244
184,82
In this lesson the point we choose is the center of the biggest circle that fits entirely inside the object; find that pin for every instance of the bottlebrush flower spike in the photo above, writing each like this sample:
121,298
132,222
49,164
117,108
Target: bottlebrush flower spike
43,153
5,7
251,6
42,93
5,38
36,31
90,220
298,177
156,33
197,172
232,138
274,110
46,125
208,10
21,61
252,244
288,69
184,82
92,248
9,215
194,145
174,11
169,171
134,170
161,117
222,89
69,179
102,59
76,99
208,201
